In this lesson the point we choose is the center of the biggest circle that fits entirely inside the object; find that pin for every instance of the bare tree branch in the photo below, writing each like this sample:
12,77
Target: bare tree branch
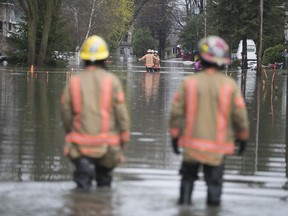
24,6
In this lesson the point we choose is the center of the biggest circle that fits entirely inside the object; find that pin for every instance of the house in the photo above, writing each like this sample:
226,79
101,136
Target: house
125,49
7,23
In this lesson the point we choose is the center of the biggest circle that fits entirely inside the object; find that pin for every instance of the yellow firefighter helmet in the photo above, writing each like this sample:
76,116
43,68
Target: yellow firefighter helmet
94,48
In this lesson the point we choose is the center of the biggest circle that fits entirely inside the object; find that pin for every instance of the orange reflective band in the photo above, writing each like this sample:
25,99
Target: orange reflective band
125,136
120,97
239,102
75,91
191,105
207,145
174,132
85,139
243,135
176,97
223,110
89,151
106,92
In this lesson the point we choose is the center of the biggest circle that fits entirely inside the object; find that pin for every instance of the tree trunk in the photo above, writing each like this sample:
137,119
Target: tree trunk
45,33
162,45
32,26
32,14
260,40
90,19
244,52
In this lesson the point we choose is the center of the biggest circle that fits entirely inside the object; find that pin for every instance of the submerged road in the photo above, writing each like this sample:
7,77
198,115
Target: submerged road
152,193
36,178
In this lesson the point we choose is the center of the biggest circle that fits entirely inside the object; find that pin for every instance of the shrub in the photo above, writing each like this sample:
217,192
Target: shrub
274,54
236,63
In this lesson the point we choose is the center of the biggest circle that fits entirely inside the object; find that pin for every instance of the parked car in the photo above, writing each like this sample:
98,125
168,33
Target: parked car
252,65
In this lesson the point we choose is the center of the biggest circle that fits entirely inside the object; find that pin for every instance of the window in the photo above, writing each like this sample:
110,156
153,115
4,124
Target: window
174,50
1,26
9,27
125,39
122,51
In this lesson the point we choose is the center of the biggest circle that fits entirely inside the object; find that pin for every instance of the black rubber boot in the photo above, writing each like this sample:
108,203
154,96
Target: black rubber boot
214,181
83,174
186,189
104,176
214,194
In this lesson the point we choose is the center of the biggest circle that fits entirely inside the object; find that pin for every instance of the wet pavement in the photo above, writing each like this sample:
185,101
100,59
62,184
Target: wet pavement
36,178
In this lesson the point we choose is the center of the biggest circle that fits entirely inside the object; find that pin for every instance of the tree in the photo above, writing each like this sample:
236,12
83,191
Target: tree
107,18
45,32
192,32
30,9
156,15
143,40
48,34
238,20
38,26
120,21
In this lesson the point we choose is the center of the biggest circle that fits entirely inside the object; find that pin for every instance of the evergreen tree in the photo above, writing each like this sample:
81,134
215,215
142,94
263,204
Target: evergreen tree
143,40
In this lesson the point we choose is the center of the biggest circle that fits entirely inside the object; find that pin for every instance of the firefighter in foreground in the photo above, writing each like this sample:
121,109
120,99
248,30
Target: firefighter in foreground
95,118
149,60
215,118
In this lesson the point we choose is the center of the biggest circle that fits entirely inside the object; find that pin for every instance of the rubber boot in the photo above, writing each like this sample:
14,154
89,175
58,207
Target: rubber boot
104,176
214,194
185,192
83,174
214,181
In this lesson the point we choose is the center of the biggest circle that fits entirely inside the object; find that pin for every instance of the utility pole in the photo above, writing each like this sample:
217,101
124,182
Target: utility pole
205,19
260,38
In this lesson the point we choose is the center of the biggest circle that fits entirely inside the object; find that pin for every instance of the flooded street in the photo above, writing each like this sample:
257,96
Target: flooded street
35,177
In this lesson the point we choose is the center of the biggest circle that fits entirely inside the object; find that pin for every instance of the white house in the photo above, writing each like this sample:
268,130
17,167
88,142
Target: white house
7,22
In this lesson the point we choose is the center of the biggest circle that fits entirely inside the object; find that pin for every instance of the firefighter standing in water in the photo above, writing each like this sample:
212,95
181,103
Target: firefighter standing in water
215,113
149,60
95,118
156,61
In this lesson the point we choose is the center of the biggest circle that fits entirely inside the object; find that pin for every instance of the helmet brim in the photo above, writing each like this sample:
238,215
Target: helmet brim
94,57
216,60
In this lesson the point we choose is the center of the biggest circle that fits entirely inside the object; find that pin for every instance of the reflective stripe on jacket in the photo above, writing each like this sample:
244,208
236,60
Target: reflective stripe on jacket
94,114
149,60
214,112
156,62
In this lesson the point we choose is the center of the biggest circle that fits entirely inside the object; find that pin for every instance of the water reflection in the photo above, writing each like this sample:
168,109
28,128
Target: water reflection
151,85
31,140
32,136
285,186
98,202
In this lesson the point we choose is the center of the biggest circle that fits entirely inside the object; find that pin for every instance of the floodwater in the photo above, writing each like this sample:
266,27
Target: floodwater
35,177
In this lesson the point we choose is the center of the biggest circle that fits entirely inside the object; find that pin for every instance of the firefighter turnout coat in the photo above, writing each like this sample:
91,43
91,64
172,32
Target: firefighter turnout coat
94,115
157,62
215,114
149,60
